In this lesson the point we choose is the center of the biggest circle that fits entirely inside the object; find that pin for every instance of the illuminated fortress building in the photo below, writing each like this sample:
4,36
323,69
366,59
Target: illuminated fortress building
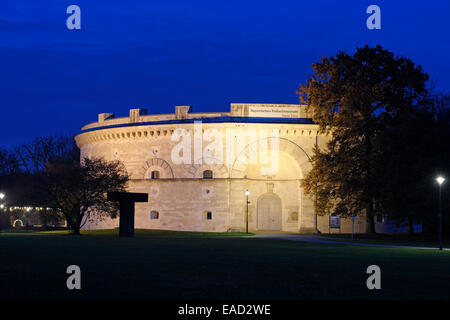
197,167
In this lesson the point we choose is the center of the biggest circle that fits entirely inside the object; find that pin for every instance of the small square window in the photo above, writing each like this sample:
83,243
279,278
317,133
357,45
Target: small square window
207,215
207,174
154,215
155,174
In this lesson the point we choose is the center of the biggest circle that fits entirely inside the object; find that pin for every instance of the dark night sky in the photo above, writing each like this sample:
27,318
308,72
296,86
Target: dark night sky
200,53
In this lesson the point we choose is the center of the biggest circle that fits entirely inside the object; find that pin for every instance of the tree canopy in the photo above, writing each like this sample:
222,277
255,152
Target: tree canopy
79,191
47,173
355,98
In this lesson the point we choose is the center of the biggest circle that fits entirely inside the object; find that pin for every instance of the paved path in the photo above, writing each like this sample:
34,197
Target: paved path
321,239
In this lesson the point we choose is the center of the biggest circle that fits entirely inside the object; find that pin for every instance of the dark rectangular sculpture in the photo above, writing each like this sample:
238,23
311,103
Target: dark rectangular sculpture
126,201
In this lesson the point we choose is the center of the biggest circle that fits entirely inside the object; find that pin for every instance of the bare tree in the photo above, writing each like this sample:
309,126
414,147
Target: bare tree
34,157
54,178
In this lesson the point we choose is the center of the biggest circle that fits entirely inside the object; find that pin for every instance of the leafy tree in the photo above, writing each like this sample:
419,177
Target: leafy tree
354,98
414,152
407,170
79,190
442,150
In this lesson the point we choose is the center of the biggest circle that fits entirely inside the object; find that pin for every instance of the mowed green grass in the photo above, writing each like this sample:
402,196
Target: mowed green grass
416,240
184,266
153,233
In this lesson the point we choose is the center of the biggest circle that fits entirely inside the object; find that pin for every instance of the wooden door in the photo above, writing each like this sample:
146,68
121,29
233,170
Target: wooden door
269,212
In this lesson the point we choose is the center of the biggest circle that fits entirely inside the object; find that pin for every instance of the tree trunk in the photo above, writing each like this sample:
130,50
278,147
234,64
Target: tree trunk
410,226
44,219
370,228
369,183
75,227
370,225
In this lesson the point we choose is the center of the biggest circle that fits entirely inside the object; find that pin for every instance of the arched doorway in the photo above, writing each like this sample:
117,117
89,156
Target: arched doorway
269,212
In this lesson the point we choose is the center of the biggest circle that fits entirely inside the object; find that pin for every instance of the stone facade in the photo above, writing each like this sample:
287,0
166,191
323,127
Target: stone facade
183,196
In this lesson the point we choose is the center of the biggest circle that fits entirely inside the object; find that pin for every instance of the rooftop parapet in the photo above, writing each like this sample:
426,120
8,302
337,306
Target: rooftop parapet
105,116
181,112
135,114
249,110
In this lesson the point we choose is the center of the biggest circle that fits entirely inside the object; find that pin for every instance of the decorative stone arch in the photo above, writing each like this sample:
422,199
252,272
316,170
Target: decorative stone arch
285,145
219,169
156,164
17,222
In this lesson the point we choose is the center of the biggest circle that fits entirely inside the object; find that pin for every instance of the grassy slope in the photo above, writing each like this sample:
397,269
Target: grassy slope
154,233
186,267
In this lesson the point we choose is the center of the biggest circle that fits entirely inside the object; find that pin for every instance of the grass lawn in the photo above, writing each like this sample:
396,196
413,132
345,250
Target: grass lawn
417,240
184,265
153,233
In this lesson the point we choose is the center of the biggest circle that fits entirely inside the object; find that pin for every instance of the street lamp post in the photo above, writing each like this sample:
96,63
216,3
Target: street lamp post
353,224
440,180
247,193
2,196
